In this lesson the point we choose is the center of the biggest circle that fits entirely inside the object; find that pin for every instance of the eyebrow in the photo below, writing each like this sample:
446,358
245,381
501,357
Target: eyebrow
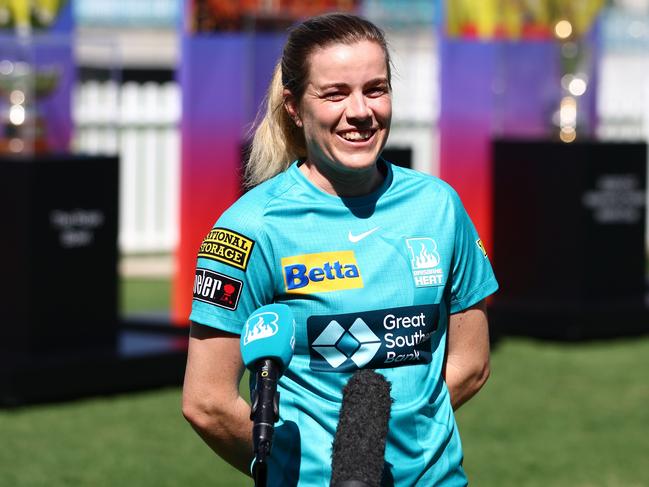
375,81
333,85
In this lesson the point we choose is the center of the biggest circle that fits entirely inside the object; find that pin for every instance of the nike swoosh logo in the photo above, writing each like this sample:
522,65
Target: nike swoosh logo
361,236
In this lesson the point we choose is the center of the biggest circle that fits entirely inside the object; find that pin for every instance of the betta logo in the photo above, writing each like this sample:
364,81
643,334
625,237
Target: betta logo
262,325
322,272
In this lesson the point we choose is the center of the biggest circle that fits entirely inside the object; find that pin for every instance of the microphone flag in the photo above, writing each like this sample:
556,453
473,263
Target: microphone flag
269,333
267,343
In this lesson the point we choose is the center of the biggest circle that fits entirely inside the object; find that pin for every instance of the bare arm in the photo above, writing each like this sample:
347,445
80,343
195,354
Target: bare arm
211,400
466,368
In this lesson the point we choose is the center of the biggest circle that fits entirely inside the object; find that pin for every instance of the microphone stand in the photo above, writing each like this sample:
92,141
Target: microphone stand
264,412
260,474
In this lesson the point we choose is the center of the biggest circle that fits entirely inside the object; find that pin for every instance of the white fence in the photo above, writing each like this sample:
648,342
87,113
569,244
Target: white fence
139,122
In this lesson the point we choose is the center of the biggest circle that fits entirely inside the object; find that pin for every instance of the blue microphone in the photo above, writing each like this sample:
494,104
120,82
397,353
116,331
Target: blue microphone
267,344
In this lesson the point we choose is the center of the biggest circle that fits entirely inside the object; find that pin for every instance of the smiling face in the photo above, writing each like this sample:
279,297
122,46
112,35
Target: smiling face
345,113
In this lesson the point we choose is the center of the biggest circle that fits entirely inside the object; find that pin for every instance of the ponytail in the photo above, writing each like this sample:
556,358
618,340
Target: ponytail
277,142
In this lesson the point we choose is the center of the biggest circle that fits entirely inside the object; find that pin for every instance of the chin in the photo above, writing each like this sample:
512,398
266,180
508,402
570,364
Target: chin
356,163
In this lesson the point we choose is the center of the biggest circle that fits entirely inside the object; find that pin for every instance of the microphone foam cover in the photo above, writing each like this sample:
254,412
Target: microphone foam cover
359,442
269,333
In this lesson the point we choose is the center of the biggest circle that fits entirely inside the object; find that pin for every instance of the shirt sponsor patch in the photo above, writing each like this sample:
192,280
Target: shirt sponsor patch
379,339
425,262
217,289
481,247
321,272
228,247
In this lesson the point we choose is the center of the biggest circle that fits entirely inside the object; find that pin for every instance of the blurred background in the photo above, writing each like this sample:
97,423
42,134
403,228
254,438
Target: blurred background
124,125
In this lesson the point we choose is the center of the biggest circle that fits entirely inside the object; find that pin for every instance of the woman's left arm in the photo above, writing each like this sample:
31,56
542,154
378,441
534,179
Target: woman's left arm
466,366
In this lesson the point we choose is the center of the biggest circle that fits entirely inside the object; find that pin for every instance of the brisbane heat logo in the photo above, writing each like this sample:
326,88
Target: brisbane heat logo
261,325
425,261
322,272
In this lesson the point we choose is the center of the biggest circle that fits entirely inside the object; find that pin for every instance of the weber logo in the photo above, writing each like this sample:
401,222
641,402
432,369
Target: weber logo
214,288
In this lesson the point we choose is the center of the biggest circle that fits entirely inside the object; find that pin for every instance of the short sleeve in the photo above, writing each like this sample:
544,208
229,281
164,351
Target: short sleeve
472,278
233,272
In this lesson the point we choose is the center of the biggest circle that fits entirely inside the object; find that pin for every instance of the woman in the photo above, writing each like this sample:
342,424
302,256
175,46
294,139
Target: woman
380,265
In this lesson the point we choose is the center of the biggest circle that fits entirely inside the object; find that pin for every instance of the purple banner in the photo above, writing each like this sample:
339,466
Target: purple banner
499,89
224,78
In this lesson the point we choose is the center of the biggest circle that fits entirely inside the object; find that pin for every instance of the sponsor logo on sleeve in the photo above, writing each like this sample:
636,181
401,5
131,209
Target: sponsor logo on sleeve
425,262
322,272
374,339
214,288
228,247
481,247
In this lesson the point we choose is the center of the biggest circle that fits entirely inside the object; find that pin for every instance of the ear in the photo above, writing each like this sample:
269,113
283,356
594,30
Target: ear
291,106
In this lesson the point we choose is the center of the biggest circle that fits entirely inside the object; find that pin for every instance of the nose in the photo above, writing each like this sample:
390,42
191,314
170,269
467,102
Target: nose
358,110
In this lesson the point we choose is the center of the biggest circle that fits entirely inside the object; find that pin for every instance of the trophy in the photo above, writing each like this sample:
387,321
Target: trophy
23,128
25,84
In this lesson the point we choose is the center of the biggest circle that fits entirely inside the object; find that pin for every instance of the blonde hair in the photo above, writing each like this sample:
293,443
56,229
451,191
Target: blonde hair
277,141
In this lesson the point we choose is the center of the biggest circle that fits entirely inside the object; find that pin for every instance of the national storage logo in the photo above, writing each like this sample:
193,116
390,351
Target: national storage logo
372,339
322,272
228,247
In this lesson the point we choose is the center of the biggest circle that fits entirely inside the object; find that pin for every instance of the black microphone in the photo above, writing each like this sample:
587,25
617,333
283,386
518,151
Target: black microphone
359,442
266,349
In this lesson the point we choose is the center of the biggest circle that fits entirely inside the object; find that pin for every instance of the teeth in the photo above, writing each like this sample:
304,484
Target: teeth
363,135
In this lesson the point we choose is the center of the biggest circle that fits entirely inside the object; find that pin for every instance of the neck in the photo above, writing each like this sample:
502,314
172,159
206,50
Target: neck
345,184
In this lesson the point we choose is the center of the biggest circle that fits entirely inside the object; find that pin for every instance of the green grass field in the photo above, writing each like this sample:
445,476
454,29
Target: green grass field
552,414
561,415
138,295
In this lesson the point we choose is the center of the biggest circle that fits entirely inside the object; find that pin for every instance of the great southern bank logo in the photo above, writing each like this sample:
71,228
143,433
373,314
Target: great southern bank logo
372,339
262,325
424,261
357,344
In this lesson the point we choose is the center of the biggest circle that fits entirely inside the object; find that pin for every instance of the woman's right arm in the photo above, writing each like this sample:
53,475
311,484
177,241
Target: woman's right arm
211,400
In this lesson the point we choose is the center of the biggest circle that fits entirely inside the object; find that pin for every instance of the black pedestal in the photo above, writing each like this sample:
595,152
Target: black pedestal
60,334
141,359
58,286
569,238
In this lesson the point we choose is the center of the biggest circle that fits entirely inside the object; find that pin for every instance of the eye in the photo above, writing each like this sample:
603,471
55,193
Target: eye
376,91
334,96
